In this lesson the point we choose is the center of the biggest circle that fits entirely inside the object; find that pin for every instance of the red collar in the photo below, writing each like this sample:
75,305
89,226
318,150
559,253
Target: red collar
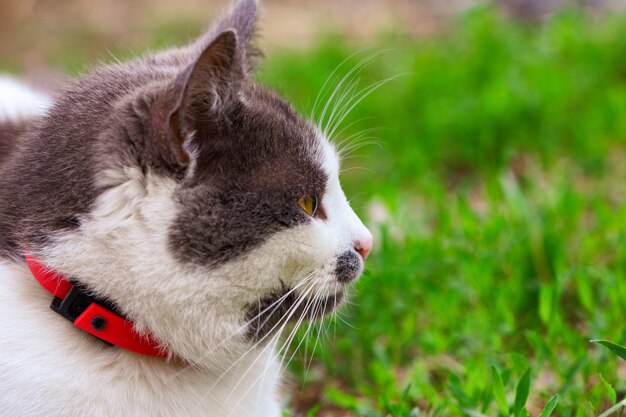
97,317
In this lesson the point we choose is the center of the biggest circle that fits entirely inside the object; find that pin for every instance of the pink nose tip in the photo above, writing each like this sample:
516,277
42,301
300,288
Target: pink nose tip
364,246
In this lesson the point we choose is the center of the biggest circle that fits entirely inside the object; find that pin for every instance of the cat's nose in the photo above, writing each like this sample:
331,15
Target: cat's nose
363,245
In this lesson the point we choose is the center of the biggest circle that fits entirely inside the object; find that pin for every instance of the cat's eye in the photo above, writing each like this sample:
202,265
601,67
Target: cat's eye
309,205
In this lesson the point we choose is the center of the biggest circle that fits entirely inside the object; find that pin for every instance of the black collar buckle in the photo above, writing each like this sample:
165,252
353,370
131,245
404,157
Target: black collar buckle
74,304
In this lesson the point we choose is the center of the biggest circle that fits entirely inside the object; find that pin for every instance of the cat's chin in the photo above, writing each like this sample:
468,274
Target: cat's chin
270,314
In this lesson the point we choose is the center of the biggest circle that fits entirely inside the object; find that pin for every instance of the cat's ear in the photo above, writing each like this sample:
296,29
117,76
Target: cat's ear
222,58
211,83
205,90
242,20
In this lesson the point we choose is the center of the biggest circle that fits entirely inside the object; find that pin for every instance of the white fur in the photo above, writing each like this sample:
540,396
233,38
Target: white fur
121,251
18,101
49,369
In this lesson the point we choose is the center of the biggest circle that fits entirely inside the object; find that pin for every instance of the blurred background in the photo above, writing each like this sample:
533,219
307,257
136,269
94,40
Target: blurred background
488,158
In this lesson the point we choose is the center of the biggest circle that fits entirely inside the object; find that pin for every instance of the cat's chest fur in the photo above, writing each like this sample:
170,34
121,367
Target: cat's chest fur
49,368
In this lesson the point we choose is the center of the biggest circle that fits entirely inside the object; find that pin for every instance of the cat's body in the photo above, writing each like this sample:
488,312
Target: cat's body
186,195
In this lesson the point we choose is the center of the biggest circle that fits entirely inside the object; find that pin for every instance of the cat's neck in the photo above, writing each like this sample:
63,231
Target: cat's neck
110,374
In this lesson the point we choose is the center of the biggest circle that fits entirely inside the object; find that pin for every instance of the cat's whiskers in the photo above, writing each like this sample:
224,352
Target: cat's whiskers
345,129
367,141
355,136
281,322
285,346
338,95
277,304
287,343
334,320
344,321
242,329
328,81
310,323
357,143
312,311
287,318
270,345
323,323
348,77
316,325
343,100
357,168
305,313
315,300
269,316
313,324
358,98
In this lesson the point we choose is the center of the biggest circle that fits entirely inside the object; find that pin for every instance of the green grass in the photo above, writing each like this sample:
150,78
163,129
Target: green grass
497,200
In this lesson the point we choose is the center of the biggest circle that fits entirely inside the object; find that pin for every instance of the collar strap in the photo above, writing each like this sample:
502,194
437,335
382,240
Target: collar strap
97,317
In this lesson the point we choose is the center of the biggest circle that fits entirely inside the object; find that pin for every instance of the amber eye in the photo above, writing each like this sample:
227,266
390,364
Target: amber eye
309,204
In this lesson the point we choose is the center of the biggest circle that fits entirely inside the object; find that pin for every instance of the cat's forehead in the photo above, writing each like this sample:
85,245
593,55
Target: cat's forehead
267,110
266,143
297,134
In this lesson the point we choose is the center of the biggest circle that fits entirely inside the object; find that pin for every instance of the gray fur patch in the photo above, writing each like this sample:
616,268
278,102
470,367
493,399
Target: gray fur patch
10,133
254,163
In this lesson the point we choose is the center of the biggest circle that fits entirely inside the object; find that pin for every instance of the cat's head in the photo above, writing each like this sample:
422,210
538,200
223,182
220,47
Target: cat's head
218,215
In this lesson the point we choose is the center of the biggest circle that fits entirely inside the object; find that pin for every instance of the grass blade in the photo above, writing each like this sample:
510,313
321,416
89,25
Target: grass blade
549,408
313,411
609,388
498,392
521,393
613,409
617,349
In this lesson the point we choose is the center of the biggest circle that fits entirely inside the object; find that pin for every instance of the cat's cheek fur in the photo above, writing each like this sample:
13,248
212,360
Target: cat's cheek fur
121,250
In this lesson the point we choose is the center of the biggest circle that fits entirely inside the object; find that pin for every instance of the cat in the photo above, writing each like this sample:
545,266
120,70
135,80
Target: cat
182,199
